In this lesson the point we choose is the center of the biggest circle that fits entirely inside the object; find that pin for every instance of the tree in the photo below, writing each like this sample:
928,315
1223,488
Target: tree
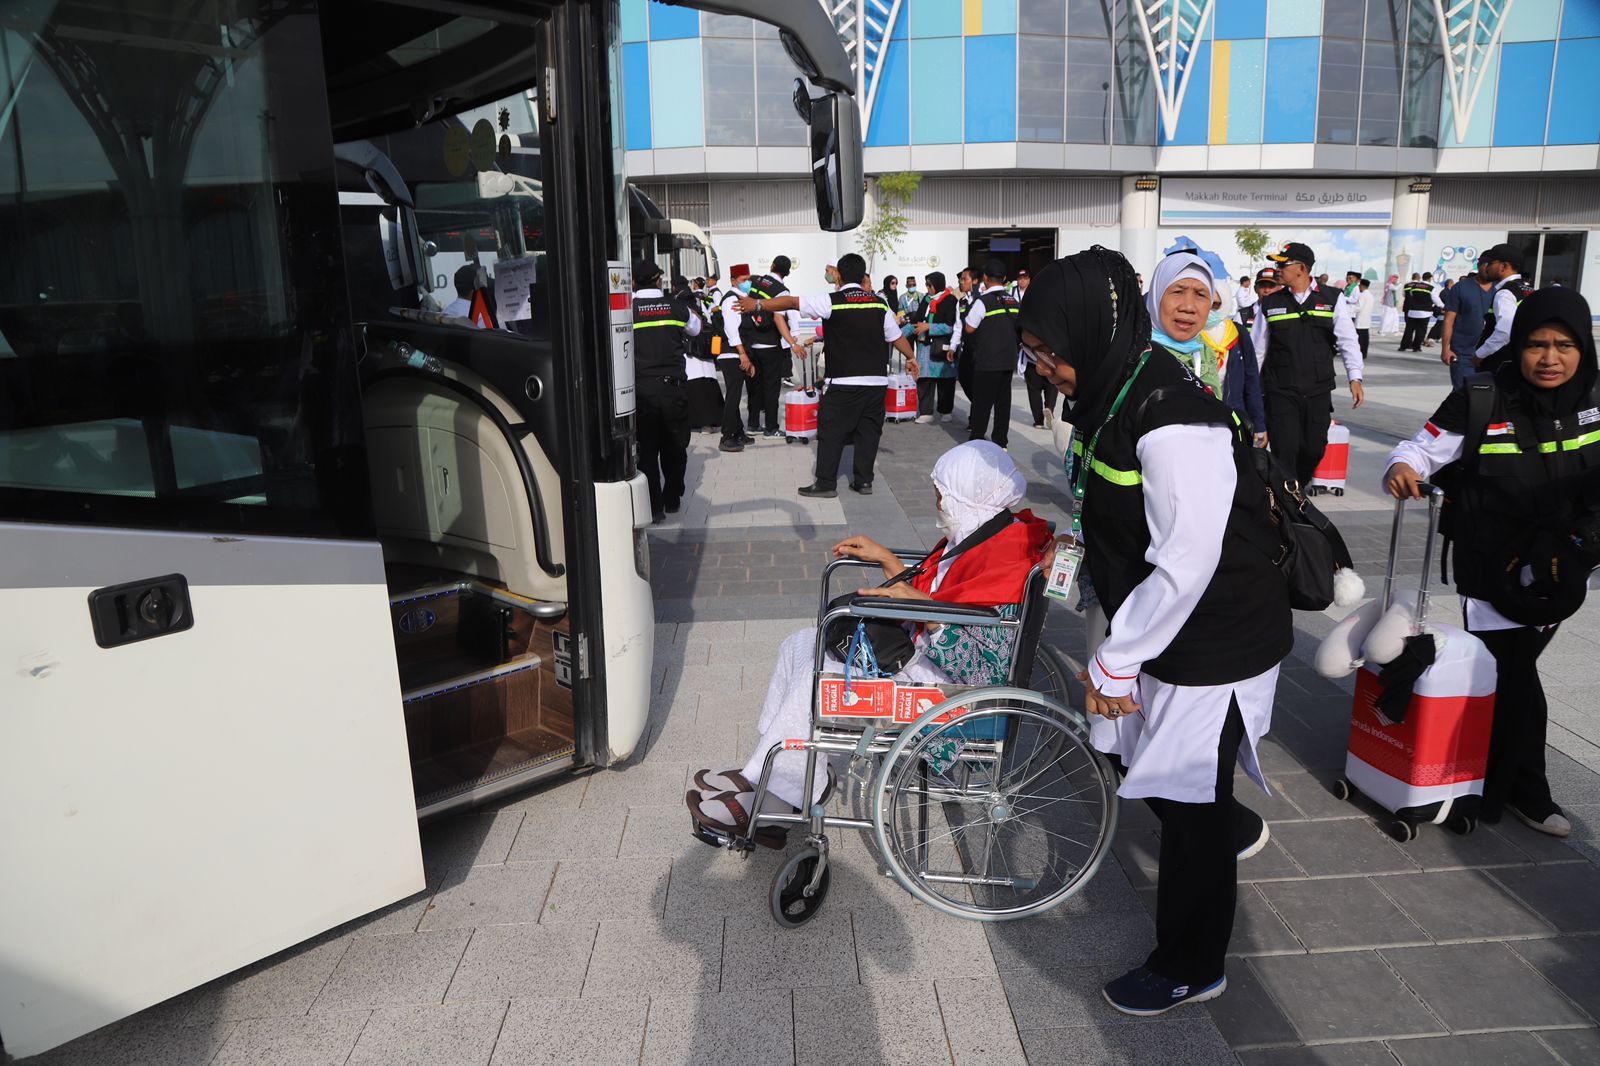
1252,241
887,227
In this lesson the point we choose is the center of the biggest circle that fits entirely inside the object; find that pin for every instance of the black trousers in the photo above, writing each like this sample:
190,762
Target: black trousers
1516,740
1297,430
663,439
1363,335
991,393
733,385
1437,331
772,364
1198,881
849,414
1041,394
1416,332
936,395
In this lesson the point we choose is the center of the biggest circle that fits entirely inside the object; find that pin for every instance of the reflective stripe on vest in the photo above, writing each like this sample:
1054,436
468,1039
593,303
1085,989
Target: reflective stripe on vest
1550,447
663,322
1125,478
862,307
1002,311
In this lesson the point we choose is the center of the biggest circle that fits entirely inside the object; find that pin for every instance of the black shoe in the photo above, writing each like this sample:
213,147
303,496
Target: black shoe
772,433
865,488
1250,832
753,426
673,503
657,518
1142,992
745,438
818,492
733,444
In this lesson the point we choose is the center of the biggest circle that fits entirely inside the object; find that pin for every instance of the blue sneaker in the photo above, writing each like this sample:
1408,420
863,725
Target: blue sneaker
1144,993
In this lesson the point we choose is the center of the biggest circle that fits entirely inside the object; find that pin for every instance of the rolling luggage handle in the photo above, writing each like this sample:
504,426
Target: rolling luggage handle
1435,497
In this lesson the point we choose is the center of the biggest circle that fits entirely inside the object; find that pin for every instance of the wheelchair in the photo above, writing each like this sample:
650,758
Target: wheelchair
985,803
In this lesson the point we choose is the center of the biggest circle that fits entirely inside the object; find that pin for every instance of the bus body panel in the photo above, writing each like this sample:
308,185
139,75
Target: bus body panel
622,513
155,840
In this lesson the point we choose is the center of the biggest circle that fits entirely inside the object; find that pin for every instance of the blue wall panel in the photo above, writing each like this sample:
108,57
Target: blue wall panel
636,93
891,111
673,23
1577,79
991,93
677,106
934,18
936,83
1580,18
635,20
1240,18
1294,18
1522,101
999,16
1529,22
1289,115
1194,121
1245,84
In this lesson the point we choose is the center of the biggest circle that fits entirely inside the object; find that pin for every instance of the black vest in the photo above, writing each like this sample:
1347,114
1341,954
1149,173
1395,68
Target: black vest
761,329
1300,344
1519,288
659,341
1504,477
1419,296
1242,625
995,342
854,335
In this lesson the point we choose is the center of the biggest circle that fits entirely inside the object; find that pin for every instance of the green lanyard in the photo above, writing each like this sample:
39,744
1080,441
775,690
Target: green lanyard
1080,479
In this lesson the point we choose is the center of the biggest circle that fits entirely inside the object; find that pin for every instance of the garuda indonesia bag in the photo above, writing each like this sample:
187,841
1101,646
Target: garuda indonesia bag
1309,553
888,643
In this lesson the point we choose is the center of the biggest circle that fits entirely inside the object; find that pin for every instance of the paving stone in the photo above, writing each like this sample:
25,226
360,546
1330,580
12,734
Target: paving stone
659,831
1437,848
550,1031
560,792
1367,1054
1246,1015
1050,997
586,832
1568,897
1539,847
1271,863
1139,852
917,940
1484,1049
1310,793
655,956
490,895
1344,996
320,1040
1059,942
469,840
1185,1042
399,917
282,986
1572,964
137,1041
1342,913
709,880
393,971
758,953
505,962
1274,808
1462,905
894,1025
1574,1047
977,1024
1258,930
658,784
588,890
455,1034
1352,846
1481,986
727,1028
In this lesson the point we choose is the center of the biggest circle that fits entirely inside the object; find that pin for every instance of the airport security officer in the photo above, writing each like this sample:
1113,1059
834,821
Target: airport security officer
662,326
1298,330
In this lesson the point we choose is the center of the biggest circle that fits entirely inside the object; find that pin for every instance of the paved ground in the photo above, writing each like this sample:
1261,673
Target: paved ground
581,924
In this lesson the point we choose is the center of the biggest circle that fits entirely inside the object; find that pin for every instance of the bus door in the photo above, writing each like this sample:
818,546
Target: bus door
201,762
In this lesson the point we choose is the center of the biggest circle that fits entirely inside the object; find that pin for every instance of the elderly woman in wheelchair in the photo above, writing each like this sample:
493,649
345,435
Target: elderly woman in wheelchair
986,801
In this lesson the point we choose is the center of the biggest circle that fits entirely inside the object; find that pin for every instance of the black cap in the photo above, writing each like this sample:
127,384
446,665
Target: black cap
781,266
645,270
679,282
995,268
1294,252
1267,274
1501,253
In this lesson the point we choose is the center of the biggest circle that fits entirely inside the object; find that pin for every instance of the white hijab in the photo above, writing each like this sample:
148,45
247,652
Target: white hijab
976,481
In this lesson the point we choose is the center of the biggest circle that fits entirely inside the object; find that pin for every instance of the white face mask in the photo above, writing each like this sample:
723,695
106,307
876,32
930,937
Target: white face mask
947,525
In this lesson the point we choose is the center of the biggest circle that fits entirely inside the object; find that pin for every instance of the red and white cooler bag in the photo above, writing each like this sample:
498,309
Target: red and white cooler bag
1334,469
900,402
800,414
1439,753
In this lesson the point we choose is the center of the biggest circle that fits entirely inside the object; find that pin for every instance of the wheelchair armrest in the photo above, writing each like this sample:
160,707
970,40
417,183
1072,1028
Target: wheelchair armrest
924,611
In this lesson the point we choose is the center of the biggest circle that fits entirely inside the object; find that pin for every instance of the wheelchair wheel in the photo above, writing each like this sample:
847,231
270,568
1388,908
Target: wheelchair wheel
999,812
791,906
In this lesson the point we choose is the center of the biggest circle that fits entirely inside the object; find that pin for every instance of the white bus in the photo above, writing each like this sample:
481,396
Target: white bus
292,550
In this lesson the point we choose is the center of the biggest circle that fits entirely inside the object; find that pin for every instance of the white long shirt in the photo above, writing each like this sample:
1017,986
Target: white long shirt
1363,310
822,307
1344,335
730,325
1189,480
1505,309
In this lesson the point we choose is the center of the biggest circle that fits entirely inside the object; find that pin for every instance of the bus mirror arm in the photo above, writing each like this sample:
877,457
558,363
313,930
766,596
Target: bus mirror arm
530,483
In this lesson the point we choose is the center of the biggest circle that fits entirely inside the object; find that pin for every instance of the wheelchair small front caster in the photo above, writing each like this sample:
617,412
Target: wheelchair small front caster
791,906
1341,789
1402,830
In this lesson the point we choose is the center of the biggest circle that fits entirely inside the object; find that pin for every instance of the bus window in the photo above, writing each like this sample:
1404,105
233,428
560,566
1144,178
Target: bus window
167,357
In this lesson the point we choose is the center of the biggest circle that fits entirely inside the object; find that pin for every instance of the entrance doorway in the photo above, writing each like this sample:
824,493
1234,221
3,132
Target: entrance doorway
1029,249
1550,257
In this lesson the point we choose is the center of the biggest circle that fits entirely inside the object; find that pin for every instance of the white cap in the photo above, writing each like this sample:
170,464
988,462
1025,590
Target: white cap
833,264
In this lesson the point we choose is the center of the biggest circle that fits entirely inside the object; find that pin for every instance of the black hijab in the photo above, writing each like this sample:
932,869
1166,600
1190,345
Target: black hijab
1088,309
1563,307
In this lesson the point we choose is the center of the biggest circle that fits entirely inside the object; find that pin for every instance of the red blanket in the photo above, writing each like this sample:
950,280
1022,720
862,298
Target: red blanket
993,573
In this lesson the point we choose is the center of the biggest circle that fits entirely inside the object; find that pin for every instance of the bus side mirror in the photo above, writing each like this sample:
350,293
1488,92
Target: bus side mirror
836,167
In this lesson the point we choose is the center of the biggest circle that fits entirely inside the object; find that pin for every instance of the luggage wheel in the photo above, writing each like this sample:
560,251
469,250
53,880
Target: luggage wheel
1461,824
1338,492
1402,830
1342,789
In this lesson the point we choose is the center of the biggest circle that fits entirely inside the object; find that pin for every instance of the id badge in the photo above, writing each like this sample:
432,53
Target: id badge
1064,571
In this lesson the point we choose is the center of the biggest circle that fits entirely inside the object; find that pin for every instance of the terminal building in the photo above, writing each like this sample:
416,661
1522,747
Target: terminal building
1389,140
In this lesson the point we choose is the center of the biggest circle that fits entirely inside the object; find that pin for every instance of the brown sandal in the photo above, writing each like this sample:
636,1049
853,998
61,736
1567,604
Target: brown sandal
733,776
768,836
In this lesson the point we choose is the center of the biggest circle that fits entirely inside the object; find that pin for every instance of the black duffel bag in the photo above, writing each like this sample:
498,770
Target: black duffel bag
1308,550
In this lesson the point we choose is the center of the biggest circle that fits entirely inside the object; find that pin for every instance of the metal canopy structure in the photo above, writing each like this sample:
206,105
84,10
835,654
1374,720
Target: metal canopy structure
1470,30
864,27
1173,30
